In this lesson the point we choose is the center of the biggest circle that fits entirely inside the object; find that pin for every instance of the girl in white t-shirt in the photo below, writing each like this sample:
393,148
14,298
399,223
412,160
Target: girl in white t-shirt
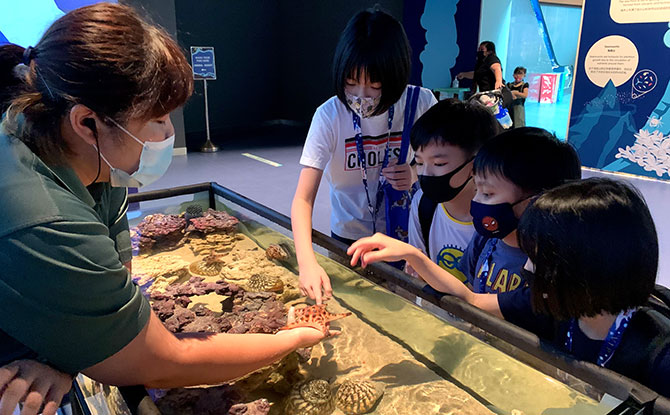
371,70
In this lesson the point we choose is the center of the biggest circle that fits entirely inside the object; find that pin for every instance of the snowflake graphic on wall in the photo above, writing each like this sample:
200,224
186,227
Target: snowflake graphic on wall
651,151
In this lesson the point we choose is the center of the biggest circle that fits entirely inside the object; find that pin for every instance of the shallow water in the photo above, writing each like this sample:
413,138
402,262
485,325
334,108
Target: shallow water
427,365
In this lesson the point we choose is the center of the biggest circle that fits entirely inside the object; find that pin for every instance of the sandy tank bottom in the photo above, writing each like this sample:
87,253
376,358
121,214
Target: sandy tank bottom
360,352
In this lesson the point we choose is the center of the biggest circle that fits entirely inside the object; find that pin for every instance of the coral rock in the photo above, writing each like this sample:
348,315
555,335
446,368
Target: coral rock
258,282
209,266
258,407
358,396
276,252
180,318
213,221
160,232
312,397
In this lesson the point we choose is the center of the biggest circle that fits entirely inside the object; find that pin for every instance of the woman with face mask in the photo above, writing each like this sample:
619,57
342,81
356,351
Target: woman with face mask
487,75
355,139
87,114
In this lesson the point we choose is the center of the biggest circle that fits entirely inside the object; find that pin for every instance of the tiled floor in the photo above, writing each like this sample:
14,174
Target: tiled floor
274,186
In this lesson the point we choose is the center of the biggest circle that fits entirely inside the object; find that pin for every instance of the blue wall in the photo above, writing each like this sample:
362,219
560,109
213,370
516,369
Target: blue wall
24,21
444,38
495,26
526,47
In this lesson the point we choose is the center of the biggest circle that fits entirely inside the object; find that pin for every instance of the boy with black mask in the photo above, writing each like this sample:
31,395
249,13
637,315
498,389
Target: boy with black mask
445,140
509,170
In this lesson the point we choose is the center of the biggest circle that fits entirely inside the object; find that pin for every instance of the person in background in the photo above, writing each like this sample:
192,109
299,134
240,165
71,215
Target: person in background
371,70
592,262
445,140
487,75
519,90
89,119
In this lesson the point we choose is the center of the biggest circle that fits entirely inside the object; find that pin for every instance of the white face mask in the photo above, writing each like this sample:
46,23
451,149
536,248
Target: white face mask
155,159
363,106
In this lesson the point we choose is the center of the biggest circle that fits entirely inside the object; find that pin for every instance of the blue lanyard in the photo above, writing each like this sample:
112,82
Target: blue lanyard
480,283
364,168
611,342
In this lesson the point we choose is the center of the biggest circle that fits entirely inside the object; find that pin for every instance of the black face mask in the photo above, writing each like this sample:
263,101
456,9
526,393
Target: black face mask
480,54
438,189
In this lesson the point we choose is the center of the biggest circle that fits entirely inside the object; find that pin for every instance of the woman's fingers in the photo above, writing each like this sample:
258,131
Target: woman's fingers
55,396
12,395
7,373
35,398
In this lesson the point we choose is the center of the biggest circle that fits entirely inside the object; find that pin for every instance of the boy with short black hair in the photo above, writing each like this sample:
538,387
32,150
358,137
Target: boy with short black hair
519,90
509,170
445,140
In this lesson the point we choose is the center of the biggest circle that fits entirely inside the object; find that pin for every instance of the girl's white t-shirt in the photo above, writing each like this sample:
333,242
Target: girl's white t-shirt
331,146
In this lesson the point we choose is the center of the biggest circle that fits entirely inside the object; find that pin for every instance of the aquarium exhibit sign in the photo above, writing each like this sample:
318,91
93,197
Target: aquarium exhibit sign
620,113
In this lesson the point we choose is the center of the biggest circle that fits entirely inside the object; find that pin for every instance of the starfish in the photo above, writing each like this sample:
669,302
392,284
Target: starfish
315,316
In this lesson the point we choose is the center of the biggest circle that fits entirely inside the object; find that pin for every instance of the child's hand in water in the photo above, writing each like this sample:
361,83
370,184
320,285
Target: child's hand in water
378,247
314,282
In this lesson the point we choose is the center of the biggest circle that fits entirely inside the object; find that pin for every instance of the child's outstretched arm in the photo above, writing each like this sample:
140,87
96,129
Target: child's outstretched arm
380,247
314,281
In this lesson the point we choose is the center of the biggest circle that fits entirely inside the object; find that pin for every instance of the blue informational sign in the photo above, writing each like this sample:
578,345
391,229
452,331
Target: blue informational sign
620,116
202,61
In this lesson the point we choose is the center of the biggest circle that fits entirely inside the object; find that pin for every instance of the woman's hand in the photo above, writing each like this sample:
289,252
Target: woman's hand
378,247
400,176
306,336
36,385
314,282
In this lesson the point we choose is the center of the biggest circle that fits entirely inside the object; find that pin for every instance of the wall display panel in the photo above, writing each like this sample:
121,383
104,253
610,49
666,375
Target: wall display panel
619,119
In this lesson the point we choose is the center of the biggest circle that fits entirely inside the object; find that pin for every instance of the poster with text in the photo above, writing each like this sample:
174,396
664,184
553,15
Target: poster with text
620,114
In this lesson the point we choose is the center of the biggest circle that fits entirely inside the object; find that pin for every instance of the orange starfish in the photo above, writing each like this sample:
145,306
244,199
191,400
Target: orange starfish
315,316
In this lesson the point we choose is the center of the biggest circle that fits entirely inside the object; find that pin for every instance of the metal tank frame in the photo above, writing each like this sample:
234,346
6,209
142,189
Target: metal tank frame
637,398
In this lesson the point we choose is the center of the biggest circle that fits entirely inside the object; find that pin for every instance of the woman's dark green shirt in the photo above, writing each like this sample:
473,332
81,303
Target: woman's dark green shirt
65,296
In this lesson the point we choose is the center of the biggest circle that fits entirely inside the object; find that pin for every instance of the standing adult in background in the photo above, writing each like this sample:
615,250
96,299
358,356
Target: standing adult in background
487,75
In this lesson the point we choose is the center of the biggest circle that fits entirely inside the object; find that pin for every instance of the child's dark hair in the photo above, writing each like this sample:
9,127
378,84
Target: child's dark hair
373,43
520,69
461,124
531,158
594,246
102,56
490,46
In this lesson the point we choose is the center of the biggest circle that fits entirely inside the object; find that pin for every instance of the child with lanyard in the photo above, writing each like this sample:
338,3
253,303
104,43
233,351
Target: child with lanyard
592,262
509,170
355,139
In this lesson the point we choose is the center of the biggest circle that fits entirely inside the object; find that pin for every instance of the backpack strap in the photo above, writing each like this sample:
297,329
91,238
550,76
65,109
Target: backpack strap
426,212
411,103
645,341
659,300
